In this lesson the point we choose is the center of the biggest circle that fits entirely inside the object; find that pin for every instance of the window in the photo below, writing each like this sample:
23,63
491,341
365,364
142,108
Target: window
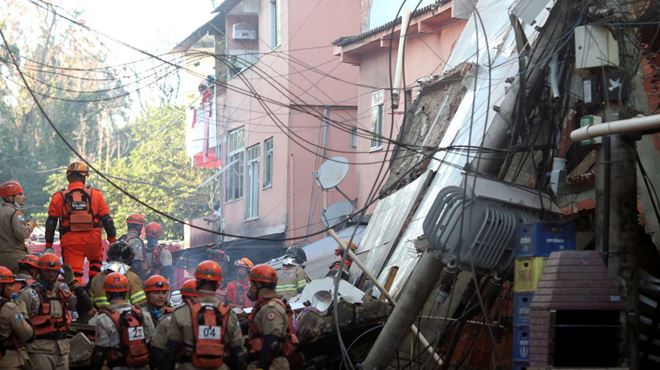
354,137
274,24
236,159
377,119
268,163
252,186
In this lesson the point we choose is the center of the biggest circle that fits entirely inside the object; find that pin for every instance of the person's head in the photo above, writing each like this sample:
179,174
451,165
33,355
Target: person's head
135,222
263,278
115,286
77,172
208,275
295,256
243,267
12,192
120,252
29,264
49,268
189,289
157,289
153,232
7,282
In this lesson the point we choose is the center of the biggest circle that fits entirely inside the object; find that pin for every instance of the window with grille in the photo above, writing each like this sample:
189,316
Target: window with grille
236,163
252,183
377,99
268,162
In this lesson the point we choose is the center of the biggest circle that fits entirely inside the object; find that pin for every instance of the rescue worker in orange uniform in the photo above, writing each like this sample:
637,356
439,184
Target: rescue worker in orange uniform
272,338
81,212
237,289
134,223
158,256
28,270
122,330
14,227
204,333
120,259
157,289
219,256
159,340
15,330
49,305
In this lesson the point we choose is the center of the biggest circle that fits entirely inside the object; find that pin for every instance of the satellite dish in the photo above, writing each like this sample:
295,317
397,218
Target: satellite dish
332,172
336,213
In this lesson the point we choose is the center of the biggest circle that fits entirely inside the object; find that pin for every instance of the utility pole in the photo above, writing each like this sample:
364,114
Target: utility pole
616,216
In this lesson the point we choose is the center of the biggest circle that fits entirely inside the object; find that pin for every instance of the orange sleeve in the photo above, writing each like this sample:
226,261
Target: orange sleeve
98,202
231,293
56,205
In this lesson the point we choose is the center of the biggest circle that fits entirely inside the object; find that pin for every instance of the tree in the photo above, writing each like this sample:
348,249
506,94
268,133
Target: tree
155,169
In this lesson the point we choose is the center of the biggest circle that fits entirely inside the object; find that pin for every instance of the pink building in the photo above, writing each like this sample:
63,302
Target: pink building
433,29
284,103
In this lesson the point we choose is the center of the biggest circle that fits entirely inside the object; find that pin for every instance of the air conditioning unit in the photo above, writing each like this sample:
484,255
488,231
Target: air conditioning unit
242,31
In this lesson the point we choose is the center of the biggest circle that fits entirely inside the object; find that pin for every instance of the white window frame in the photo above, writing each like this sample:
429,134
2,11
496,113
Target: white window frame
235,160
354,131
252,182
377,117
275,24
268,163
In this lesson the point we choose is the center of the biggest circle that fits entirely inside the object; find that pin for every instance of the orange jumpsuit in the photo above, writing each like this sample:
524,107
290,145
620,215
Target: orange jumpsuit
76,245
237,293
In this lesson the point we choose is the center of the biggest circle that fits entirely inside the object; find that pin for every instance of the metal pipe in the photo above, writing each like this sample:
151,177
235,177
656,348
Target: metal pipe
398,71
636,125
422,339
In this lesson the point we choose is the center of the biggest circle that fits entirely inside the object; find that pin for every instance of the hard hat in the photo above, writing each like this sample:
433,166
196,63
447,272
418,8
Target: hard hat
153,229
208,270
244,262
189,288
135,219
120,251
6,276
264,274
29,260
78,167
115,283
156,283
9,188
297,253
50,261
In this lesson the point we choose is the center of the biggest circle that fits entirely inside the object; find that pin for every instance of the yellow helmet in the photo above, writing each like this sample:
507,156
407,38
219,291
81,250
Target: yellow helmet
79,167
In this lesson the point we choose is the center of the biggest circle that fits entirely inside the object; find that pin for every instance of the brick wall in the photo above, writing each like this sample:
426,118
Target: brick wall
571,280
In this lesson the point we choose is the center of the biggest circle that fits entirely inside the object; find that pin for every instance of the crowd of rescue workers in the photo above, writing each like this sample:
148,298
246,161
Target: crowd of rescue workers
127,296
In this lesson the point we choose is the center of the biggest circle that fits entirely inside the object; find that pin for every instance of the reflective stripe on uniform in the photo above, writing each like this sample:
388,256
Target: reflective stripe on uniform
138,297
287,288
100,302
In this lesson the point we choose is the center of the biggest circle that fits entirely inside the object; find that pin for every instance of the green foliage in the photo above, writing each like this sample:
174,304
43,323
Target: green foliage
155,169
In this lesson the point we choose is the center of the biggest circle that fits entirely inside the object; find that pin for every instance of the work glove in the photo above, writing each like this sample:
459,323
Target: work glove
69,276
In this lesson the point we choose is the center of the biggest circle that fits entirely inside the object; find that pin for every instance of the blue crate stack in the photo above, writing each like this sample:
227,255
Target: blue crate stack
534,240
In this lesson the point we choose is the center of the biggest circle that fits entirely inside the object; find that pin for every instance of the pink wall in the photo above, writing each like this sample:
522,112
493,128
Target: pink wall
293,199
425,55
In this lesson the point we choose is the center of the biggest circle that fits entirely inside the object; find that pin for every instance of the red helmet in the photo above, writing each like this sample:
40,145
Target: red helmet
156,283
78,167
153,229
9,188
6,276
264,274
115,282
135,219
29,260
244,262
208,270
189,288
49,261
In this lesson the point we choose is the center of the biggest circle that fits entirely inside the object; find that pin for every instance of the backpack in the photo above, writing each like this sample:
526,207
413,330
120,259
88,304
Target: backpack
133,351
209,324
78,206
